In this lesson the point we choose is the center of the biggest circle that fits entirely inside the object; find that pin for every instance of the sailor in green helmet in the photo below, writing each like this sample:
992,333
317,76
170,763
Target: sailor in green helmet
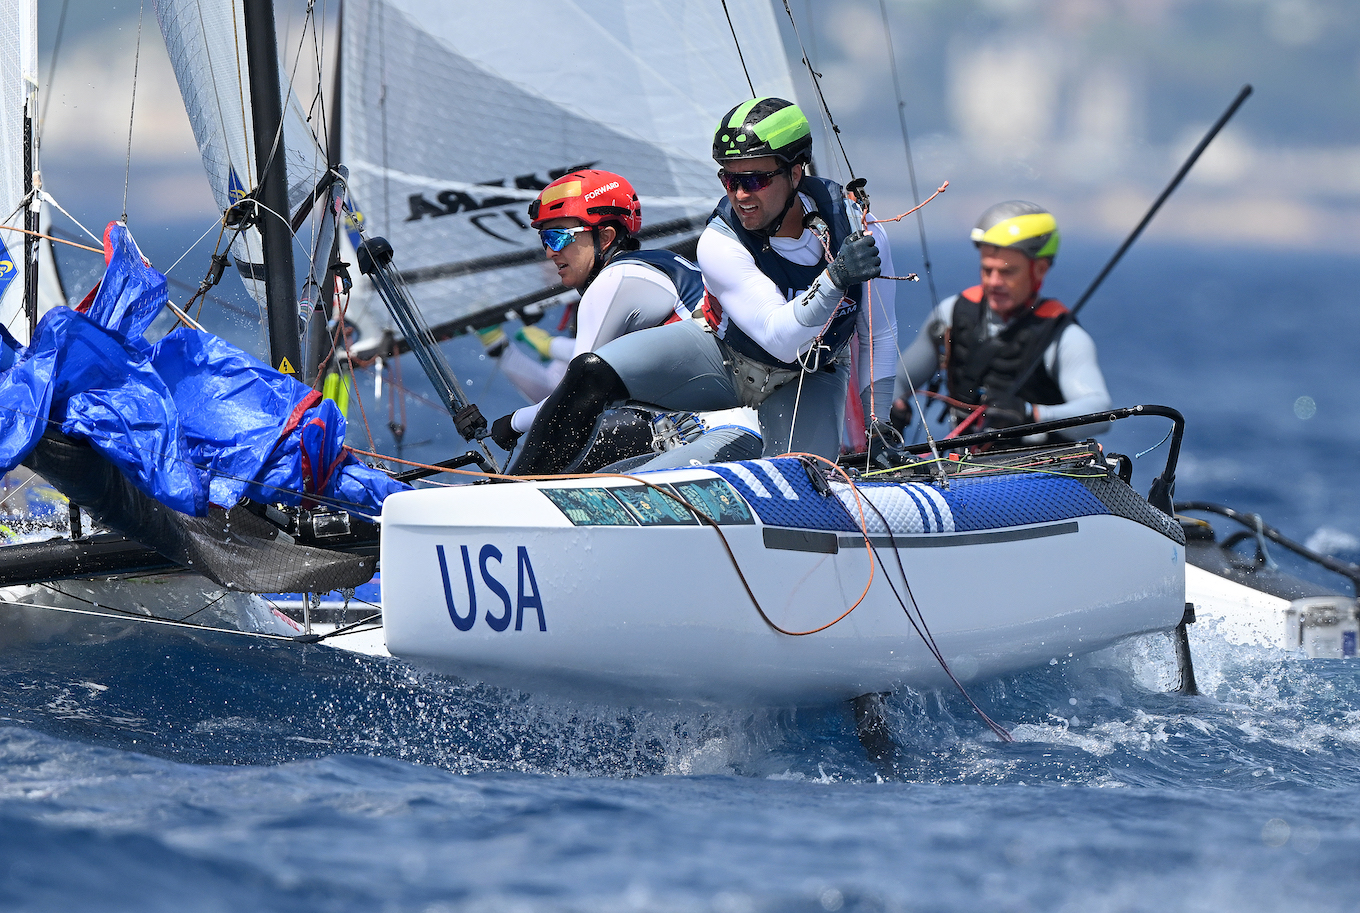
986,337
789,287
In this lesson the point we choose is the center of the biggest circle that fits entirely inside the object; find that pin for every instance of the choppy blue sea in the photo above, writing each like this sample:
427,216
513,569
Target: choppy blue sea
150,770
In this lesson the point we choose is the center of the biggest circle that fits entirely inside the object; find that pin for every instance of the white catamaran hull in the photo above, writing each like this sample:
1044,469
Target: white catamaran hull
500,583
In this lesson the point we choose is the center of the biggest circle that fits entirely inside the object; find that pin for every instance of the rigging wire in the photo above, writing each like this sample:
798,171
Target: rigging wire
48,198
113,612
911,164
90,602
816,83
740,56
132,110
252,174
382,107
52,71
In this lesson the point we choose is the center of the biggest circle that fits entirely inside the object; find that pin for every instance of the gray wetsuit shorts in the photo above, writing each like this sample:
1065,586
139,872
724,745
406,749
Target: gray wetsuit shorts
683,366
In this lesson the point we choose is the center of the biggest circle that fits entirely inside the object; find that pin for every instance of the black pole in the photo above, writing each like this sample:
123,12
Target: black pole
319,341
31,222
1062,323
1175,182
266,100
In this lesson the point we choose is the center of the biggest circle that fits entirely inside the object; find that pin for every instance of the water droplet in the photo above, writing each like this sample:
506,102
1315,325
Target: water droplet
1306,839
1275,832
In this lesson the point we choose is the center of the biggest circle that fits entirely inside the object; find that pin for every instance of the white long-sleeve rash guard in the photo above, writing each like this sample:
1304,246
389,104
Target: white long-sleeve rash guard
750,299
623,298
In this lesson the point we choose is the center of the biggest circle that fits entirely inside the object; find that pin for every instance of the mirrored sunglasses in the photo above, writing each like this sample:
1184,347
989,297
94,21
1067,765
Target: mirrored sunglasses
554,239
749,181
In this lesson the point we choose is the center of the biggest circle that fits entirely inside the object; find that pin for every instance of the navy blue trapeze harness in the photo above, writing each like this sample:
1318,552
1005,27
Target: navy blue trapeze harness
791,278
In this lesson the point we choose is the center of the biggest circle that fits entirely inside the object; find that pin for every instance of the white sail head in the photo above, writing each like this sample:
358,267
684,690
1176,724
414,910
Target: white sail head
455,115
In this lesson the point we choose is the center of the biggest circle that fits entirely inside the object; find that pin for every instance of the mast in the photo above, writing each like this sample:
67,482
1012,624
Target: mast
31,213
266,97
317,332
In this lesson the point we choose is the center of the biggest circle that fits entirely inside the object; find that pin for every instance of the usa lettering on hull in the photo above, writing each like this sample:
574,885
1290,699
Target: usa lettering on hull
498,611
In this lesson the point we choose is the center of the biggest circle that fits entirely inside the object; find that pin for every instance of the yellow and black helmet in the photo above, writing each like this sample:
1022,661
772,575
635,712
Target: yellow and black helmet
1025,227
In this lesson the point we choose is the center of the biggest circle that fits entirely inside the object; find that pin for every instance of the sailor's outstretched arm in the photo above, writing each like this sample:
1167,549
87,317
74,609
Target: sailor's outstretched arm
751,300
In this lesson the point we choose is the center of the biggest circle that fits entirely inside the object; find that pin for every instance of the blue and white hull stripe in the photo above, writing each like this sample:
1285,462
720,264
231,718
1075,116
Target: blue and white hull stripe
781,494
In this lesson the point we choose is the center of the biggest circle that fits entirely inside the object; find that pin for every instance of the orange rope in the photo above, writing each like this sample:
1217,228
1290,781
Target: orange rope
939,191
38,234
864,529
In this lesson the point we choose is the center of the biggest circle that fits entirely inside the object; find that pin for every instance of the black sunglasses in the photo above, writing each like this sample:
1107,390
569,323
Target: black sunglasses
749,181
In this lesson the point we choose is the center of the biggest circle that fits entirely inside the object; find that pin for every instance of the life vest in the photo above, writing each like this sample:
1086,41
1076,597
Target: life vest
684,275
975,362
790,277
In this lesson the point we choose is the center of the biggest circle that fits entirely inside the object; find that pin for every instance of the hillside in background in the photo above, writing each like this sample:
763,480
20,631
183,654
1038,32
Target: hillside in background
1089,107
1086,106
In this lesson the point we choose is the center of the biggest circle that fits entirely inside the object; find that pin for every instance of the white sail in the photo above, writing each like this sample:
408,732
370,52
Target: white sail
18,82
455,115
206,43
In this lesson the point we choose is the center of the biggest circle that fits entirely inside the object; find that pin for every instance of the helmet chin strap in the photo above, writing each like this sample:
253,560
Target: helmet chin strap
772,227
602,257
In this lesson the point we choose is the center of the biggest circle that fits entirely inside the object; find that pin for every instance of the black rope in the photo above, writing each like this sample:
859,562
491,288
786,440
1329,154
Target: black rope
924,631
816,84
740,57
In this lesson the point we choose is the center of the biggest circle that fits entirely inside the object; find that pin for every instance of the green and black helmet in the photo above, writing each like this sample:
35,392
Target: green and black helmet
761,127
1025,227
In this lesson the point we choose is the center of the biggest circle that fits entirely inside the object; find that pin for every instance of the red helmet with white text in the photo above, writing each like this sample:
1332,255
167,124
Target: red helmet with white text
594,197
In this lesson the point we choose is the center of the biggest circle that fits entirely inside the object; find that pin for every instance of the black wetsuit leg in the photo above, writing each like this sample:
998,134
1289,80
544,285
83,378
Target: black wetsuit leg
567,419
620,433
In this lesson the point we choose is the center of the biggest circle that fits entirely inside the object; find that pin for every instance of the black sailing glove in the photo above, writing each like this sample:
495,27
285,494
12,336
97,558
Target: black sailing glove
504,434
1007,412
900,415
856,261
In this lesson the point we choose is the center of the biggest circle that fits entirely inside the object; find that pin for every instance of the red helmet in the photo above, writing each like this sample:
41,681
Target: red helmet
594,197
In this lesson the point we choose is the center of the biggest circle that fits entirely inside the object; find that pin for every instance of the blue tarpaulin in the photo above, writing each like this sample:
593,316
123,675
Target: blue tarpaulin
191,420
